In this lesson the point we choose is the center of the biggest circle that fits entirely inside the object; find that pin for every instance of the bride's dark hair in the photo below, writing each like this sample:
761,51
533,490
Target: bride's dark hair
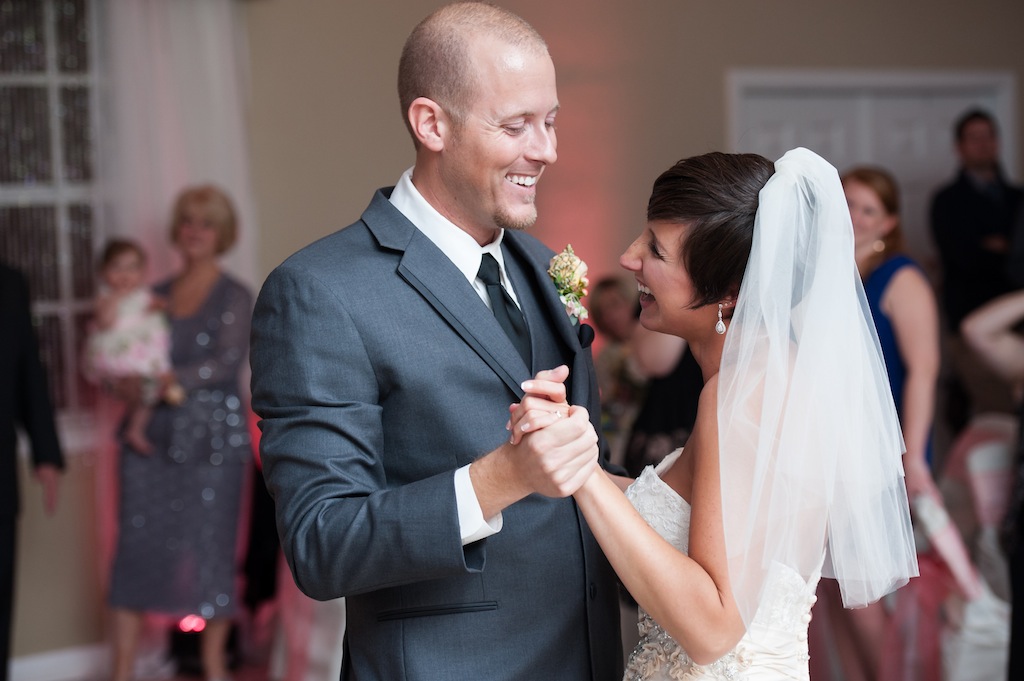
716,195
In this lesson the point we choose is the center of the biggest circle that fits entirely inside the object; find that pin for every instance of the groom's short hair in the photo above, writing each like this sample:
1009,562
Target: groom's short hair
435,60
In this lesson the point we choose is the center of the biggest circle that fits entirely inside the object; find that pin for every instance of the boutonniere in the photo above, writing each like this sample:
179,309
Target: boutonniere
570,276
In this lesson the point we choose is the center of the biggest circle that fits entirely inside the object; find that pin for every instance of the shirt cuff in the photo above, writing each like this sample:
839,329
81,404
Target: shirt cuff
472,524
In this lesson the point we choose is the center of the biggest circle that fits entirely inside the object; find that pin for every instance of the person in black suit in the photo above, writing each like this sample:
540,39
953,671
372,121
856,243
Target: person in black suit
24,402
972,226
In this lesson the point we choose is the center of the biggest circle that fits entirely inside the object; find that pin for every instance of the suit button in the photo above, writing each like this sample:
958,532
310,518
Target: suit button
593,591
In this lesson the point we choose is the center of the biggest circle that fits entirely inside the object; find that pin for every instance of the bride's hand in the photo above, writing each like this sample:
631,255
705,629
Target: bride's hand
542,405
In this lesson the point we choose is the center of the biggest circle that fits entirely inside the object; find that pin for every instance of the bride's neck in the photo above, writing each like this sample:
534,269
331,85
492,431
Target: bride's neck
708,356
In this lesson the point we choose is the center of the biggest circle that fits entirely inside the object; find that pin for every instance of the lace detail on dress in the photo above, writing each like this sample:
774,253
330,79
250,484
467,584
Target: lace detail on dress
776,643
663,509
658,656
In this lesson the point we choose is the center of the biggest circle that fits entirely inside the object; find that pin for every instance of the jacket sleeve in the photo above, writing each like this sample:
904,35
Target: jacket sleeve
35,410
345,527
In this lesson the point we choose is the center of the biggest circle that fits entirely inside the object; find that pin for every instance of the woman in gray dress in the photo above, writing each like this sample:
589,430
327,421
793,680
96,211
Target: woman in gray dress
179,504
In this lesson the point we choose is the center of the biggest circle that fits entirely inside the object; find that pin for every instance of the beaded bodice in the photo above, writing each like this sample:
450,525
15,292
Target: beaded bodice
775,645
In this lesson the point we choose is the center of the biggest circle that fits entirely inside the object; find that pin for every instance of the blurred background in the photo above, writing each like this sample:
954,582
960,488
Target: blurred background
109,107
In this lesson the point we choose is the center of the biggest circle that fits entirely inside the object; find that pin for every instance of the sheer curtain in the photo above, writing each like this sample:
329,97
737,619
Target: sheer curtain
172,102
173,106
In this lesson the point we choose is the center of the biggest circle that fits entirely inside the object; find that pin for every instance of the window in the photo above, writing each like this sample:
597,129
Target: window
48,196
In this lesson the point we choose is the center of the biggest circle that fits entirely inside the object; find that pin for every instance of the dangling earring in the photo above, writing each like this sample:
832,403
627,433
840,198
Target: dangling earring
720,326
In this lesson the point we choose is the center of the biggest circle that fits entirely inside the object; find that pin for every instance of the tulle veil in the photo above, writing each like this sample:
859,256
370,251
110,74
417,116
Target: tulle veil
810,443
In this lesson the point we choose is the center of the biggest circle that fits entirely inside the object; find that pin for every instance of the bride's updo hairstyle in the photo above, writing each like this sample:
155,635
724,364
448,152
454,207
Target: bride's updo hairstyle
716,195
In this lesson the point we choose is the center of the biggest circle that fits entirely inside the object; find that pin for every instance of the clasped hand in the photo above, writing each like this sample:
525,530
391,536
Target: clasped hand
556,443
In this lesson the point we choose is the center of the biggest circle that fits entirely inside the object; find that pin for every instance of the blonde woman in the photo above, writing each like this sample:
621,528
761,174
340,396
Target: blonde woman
179,505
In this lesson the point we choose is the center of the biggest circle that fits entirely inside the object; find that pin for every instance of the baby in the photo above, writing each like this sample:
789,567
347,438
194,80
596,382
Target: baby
130,337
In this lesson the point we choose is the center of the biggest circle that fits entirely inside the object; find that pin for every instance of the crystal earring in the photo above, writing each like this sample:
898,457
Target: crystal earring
720,326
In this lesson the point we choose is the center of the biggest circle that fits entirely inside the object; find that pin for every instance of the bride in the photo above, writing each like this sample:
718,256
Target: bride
793,469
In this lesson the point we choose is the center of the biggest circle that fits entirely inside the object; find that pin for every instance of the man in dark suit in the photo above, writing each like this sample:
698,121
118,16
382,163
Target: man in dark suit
972,220
972,225
24,402
383,378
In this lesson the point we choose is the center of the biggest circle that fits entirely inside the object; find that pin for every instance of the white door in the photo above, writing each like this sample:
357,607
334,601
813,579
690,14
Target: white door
902,122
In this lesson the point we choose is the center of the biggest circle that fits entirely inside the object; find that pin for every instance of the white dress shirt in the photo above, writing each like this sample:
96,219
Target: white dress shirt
465,253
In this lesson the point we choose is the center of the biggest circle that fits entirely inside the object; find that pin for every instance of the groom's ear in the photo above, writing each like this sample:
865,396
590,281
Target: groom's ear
429,122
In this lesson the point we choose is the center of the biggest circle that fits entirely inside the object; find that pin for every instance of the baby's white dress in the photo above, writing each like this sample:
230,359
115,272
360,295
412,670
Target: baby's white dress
137,343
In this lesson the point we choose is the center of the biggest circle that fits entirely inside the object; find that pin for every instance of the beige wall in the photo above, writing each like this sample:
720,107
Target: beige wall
641,85
58,603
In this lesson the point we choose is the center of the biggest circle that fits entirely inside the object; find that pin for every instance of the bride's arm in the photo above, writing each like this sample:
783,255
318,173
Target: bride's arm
688,595
620,481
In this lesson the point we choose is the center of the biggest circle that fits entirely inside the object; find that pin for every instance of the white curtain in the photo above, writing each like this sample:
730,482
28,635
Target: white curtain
172,105
173,109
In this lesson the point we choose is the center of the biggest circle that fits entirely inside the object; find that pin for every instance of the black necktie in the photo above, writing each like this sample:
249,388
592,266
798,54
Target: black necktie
504,308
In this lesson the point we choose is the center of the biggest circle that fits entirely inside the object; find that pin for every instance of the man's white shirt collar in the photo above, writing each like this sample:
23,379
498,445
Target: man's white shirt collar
456,243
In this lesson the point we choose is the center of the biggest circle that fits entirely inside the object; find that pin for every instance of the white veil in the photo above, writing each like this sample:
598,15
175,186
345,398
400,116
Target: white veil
809,437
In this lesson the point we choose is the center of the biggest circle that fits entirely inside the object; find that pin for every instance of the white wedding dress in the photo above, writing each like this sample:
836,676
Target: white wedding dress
774,647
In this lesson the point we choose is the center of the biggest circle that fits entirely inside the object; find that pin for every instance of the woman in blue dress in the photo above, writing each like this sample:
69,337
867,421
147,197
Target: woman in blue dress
906,317
905,313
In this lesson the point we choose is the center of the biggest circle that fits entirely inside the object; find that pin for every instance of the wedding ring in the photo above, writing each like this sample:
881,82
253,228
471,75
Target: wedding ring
558,413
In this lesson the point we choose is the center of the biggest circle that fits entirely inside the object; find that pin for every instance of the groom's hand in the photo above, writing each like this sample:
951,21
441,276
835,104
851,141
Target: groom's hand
558,442
555,454
552,449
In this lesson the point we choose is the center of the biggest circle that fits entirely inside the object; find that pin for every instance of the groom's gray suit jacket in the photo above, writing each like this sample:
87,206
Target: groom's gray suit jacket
378,371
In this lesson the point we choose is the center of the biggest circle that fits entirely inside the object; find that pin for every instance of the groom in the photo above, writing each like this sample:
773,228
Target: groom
383,372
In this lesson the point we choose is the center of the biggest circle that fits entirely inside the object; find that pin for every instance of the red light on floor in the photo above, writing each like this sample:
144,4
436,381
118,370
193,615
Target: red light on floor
193,623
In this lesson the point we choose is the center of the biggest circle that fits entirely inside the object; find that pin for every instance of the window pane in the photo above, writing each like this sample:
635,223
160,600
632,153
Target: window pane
72,36
22,47
74,116
50,335
28,242
24,136
48,223
83,275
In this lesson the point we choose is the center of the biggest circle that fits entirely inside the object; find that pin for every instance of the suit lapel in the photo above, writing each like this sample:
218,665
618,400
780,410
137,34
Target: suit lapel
548,296
428,270
554,309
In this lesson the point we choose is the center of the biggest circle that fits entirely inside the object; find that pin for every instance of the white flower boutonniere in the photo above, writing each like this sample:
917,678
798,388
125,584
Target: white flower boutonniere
570,276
